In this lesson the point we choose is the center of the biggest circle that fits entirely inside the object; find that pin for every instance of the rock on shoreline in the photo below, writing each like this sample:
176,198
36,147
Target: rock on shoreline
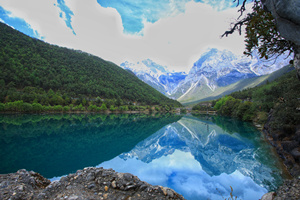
287,146
290,190
98,183
89,183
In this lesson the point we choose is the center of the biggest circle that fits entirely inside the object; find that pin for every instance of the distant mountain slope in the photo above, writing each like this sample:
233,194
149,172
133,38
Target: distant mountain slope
216,70
25,61
218,73
206,95
155,75
215,73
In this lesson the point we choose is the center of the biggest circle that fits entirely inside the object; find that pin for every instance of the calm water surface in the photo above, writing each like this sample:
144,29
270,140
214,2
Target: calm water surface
198,156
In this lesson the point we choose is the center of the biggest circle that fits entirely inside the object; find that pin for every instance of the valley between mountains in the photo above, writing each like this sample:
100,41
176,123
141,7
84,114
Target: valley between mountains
215,74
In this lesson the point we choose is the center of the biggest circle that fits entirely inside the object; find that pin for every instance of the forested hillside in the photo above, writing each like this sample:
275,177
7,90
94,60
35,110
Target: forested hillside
34,71
282,96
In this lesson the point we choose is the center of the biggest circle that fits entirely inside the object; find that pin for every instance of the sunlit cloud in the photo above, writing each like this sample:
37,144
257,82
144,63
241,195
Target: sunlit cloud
172,33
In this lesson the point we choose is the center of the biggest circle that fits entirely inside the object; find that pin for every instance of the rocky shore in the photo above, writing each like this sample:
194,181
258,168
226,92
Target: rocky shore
89,183
287,145
98,183
290,190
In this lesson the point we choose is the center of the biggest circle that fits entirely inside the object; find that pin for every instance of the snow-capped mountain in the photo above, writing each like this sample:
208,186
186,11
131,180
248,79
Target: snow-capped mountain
211,75
217,69
157,76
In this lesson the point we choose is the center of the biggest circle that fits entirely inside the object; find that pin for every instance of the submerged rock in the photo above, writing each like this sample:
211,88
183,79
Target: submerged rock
268,196
89,183
290,190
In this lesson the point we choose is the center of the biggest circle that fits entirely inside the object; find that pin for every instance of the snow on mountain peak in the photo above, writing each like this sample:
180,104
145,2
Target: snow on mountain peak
215,68
155,75
145,66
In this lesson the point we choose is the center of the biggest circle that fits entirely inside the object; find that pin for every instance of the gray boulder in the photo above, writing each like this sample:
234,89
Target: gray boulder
287,16
89,183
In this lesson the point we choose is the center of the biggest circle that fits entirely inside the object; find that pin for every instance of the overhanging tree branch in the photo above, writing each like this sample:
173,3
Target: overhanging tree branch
260,31
236,26
242,8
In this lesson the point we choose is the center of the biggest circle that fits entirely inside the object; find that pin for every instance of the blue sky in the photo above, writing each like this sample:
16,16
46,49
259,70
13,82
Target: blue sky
18,23
134,12
119,30
66,14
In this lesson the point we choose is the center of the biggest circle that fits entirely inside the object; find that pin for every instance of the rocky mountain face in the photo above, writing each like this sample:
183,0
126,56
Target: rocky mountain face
214,69
155,75
217,69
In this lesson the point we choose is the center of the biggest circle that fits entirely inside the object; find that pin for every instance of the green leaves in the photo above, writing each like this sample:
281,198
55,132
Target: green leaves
262,34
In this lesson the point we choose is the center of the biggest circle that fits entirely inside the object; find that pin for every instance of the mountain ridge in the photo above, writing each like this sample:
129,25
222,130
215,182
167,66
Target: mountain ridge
155,75
215,70
240,85
31,67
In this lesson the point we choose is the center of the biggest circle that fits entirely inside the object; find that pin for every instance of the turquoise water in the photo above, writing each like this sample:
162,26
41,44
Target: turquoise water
200,157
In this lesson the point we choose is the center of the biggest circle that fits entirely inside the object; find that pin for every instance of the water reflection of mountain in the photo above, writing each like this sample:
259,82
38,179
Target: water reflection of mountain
217,150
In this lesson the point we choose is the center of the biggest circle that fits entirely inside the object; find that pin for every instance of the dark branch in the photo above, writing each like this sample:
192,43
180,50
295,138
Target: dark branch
237,26
243,6
261,33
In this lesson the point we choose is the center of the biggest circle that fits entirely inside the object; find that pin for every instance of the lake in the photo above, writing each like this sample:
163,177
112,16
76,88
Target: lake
199,156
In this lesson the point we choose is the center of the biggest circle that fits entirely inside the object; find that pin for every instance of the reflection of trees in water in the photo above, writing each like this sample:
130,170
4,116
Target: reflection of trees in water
28,125
230,125
55,145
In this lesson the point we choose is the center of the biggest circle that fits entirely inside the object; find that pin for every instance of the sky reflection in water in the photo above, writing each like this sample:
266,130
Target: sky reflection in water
181,172
201,160
198,156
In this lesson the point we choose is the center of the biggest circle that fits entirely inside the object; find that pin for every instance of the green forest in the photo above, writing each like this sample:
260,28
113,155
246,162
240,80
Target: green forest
35,74
281,97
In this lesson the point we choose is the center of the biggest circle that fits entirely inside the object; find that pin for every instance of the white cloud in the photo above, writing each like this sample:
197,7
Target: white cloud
42,16
181,39
185,175
98,30
176,41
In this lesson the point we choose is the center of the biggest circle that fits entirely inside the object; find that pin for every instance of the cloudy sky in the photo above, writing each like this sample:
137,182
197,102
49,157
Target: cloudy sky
172,33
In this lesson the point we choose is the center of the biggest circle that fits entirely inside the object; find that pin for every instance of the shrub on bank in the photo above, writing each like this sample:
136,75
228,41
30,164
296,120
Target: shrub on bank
229,106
